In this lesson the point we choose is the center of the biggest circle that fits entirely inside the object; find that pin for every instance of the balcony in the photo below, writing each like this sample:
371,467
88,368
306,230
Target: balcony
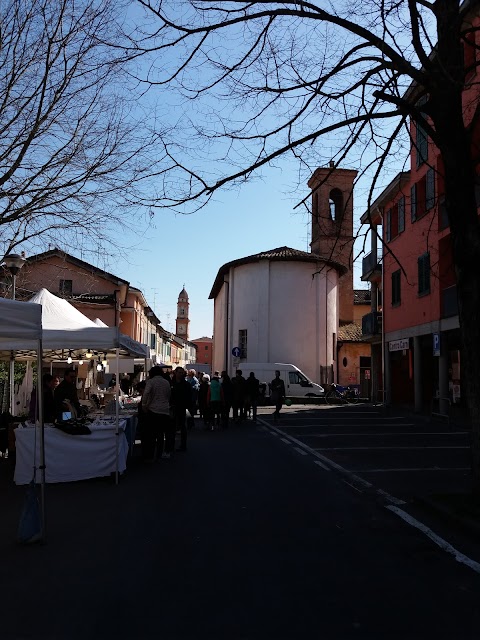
449,302
372,324
371,264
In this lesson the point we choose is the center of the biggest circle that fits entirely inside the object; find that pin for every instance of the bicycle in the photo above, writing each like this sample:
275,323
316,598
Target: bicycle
341,395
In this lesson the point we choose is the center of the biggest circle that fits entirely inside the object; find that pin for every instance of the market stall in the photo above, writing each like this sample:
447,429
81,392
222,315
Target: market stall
67,330
72,457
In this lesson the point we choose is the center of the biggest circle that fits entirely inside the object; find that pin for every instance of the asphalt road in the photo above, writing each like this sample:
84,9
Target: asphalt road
243,536
406,456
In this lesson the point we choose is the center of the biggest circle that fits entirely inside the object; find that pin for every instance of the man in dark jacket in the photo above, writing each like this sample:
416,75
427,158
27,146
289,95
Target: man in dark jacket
181,401
238,396
67,390
253,391
277,394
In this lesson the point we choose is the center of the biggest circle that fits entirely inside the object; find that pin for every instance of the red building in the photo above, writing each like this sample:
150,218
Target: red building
418,304
204,350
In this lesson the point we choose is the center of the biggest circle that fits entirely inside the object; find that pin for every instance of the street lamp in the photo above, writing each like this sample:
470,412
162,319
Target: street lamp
13,262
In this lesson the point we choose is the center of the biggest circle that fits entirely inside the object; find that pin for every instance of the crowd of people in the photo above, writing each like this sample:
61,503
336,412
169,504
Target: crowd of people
170,400
169,403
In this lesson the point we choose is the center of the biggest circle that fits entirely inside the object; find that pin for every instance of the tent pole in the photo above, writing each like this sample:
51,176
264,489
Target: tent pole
117,410
42,436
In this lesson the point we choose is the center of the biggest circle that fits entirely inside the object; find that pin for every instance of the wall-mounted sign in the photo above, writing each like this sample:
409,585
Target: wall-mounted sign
399,345
436,344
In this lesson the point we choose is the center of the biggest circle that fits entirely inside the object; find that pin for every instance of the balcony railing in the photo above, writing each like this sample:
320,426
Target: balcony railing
449,302
372,324
370,263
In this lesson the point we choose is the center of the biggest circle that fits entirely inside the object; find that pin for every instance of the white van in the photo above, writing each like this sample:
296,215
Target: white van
297,384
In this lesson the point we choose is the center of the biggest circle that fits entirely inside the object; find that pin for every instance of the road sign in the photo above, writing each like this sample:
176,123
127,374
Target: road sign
436,344
236,352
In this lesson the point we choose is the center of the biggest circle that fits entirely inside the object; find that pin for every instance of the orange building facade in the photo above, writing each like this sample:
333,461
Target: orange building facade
415,297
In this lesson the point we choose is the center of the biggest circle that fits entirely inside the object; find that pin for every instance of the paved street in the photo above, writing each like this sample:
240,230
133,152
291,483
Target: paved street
244,536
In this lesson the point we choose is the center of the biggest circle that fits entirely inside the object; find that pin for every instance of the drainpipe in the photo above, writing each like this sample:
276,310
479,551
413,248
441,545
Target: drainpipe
227,307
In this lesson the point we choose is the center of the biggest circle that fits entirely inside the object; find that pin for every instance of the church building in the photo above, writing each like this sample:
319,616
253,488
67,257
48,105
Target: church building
286,305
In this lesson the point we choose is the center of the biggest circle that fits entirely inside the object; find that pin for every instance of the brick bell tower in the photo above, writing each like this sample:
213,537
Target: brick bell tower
182,320
332,226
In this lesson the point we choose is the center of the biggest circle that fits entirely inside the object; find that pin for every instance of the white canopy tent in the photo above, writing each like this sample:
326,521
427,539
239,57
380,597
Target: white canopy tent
66,329
22,322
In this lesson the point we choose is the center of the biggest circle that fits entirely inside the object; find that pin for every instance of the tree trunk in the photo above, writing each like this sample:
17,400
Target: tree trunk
465,234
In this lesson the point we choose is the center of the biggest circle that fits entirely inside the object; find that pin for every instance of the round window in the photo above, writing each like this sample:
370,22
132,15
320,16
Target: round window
345,362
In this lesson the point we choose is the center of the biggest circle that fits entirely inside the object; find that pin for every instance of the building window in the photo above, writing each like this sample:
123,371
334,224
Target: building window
242,342
421,138
430,189
65,287
206,347
396,291
401,214
153,341
182,311
424,274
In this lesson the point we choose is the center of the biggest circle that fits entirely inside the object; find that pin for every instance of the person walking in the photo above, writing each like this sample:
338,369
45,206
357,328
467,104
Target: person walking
181,402
227,390
277,395
195,384
157,428
253,392
215,400
203,407
238,396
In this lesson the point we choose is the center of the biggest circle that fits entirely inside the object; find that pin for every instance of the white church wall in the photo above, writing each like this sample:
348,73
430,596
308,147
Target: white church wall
219,329
284,312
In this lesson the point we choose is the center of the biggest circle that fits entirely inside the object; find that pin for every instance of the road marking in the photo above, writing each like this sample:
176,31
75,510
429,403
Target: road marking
320,464
386,448
374,433
443,544
347,424
301,451
413,469
285,440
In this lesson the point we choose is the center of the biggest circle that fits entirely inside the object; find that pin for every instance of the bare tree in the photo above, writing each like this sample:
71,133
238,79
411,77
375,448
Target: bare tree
73,151
322,80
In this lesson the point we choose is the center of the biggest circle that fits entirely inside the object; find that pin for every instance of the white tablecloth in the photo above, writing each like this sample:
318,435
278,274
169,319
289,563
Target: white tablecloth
69,457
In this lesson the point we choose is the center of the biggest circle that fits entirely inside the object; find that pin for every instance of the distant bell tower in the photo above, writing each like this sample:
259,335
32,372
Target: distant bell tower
182,320
332,227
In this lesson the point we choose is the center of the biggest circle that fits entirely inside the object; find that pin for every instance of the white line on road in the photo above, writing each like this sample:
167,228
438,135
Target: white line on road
374,433
385,448
320,464
285,440
411,469
301,451
347,424
443,544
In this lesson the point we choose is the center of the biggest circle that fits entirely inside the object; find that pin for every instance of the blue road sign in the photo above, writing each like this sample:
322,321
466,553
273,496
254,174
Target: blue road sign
436,344
236,352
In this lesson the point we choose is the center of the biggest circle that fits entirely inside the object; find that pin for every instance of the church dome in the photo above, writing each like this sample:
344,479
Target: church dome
183,295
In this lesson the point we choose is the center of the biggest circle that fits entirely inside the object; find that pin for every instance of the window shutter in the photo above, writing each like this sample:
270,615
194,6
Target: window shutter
401,214
424,274
430,189
413,202
388,225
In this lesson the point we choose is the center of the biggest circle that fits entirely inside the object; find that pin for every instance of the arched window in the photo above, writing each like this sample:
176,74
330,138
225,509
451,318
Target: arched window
335,202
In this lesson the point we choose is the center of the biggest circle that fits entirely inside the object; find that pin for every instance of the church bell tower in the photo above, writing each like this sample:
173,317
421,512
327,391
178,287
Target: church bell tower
332,227
182,320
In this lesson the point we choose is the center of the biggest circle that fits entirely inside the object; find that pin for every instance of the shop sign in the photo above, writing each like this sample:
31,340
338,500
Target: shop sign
399,345
367,374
